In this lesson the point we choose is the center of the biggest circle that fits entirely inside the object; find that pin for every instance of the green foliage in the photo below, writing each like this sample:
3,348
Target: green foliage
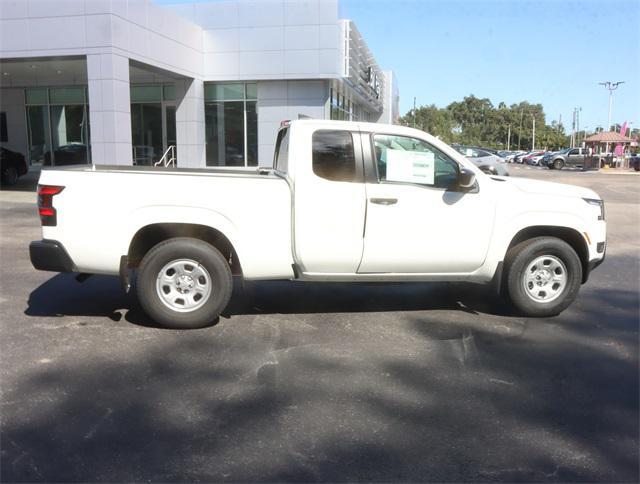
476,121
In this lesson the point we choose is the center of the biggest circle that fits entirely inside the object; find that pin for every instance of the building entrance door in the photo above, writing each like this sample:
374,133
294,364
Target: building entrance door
153,130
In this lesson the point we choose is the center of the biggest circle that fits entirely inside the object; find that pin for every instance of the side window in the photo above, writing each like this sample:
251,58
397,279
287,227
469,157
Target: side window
573,152
410,160
333,155
281,155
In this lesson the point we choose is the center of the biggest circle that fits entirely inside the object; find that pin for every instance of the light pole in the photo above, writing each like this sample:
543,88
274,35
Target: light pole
610,86
414,112
533,141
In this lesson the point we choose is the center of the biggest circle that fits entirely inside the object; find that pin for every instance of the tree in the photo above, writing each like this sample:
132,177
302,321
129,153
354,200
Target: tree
477,121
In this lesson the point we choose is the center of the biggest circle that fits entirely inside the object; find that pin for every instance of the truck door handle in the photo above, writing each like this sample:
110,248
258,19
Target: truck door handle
384,201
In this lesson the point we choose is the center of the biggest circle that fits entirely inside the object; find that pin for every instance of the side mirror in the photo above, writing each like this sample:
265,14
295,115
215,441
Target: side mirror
466,178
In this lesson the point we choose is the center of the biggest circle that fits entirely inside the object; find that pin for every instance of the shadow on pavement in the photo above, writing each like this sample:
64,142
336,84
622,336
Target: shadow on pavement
264,400
62,295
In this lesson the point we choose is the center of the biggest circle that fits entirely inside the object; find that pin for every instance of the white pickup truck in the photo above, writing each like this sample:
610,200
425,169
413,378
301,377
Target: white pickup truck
343,202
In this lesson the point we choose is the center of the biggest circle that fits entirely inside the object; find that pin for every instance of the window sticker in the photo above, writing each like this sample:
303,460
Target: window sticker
469,153
410,166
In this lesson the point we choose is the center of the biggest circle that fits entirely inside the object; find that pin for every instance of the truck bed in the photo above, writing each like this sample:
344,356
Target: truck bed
101,208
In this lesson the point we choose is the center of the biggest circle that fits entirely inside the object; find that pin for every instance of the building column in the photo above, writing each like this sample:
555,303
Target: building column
109,109
190,131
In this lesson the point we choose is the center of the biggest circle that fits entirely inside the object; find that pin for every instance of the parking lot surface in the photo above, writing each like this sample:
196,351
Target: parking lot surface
322,382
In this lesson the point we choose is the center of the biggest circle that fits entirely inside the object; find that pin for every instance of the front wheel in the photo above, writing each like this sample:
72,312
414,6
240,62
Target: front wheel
184,283
558,164
543,276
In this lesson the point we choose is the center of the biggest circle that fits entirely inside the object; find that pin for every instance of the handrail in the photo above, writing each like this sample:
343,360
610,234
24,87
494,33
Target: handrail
164,161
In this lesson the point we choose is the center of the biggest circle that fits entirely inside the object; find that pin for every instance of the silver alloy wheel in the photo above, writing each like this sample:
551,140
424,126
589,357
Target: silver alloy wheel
545,278
183,285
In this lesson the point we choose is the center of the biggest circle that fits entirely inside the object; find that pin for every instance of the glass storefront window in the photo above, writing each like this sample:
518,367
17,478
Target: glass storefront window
153,121
37,96
169,92
231,124
38,132
66,95
252,90
224,92
58,125
147,93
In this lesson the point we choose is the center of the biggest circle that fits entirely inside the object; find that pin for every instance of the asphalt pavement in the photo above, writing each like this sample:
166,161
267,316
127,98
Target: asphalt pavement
322,382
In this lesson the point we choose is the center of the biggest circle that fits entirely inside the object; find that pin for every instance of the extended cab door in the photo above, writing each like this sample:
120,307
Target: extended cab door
417,220
574,157
329,197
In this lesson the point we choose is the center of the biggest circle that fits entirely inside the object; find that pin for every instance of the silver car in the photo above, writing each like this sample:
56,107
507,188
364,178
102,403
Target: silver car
487,162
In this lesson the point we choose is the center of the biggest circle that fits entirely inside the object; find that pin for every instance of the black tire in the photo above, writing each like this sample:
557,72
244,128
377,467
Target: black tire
517,263
219,281
558,164
9,176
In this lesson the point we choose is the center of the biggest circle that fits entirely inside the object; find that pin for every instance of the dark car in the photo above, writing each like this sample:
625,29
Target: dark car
71,154
12,166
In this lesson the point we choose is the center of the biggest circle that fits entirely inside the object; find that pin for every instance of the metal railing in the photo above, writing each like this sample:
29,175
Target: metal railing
168,159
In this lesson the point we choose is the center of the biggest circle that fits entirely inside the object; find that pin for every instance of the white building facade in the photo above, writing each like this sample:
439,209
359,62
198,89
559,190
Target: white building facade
129,81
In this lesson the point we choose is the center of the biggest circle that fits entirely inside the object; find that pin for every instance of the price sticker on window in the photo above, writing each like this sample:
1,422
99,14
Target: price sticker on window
410,166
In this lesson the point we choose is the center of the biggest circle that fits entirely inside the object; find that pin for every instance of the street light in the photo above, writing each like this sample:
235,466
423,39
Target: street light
610,86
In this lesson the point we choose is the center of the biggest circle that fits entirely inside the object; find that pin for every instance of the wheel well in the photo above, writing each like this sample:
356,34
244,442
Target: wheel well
151,235
570,236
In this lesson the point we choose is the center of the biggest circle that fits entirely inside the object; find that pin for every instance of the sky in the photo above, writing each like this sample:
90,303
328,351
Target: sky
553,52
548,52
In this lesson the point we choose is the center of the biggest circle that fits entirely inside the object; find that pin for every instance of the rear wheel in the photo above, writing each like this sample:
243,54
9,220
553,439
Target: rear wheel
543,276
184,283
10,176
558,164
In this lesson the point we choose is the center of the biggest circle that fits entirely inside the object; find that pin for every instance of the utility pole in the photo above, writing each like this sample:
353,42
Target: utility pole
509,139
573,129
578,124
414,112
533,142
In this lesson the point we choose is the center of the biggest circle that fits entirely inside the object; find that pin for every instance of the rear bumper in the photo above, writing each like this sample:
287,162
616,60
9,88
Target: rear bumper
50,255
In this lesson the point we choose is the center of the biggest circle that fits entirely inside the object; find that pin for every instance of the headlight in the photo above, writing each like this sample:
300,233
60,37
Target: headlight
598,203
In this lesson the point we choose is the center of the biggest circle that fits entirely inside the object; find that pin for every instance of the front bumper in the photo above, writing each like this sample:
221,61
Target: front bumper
593,263
50,255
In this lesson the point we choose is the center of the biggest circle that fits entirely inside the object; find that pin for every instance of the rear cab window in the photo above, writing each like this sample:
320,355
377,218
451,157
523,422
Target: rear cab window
334,155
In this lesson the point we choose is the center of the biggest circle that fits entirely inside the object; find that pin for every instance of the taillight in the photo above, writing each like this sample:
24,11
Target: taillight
48,214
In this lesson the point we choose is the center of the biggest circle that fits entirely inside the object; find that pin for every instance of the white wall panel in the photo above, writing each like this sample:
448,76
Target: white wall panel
301,12
56,33
57,8
260,13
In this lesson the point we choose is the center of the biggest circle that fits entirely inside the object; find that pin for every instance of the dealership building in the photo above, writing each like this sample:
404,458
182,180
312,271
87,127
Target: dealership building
207,83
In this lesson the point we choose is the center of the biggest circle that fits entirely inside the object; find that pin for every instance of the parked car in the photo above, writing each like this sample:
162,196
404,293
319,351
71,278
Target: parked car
487,162
634,161
405,207
70,154
519,158
534,159
527,159
570,157
511,156
12,166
